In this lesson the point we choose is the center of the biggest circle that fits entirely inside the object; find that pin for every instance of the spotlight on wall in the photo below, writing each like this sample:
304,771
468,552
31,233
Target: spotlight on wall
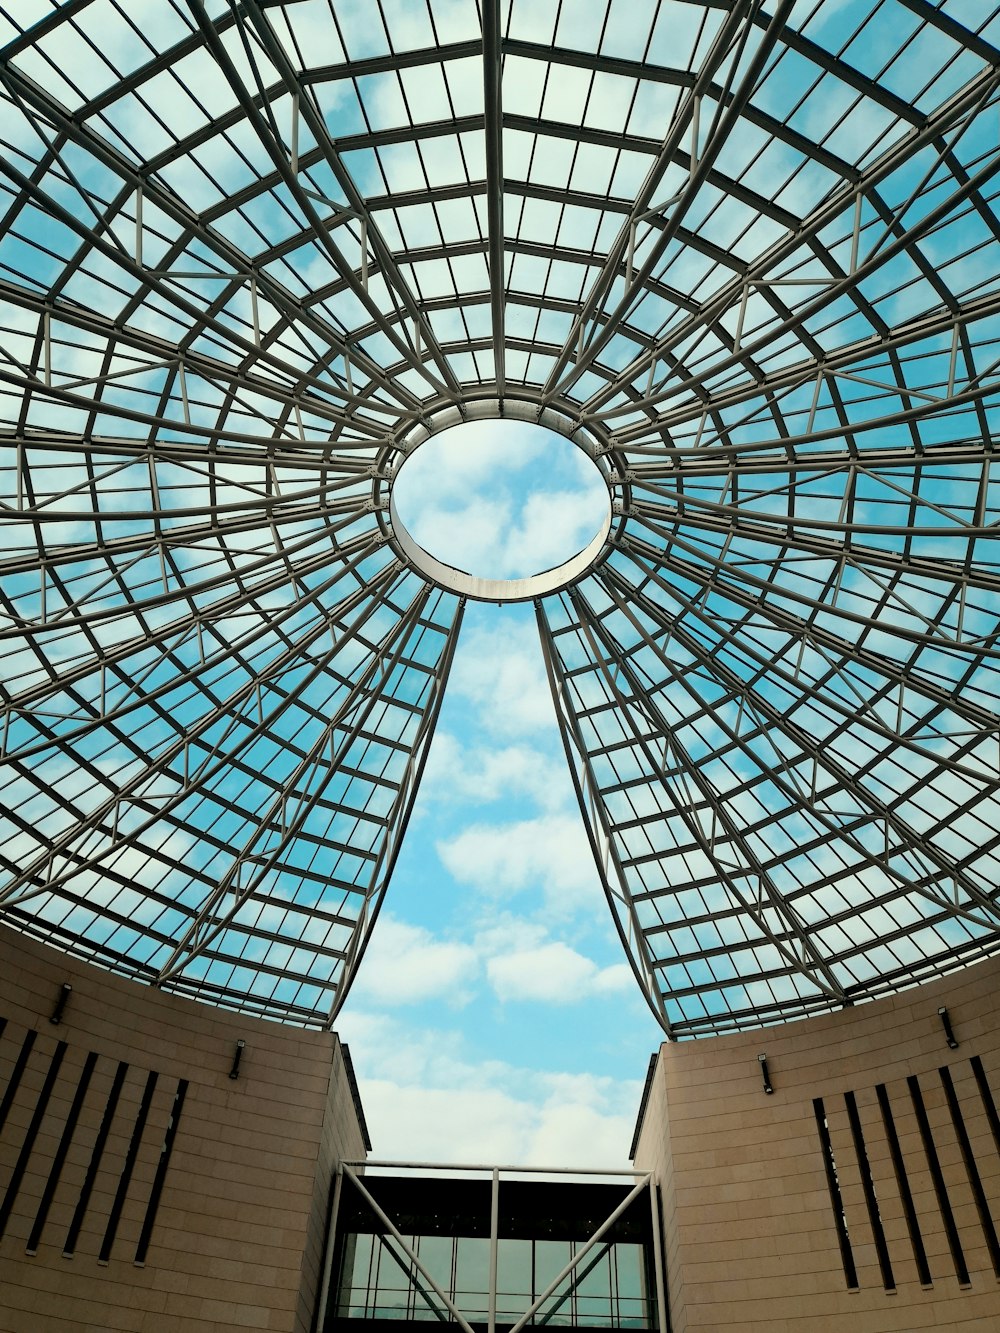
762,1061
237,1057
950,1037
65,990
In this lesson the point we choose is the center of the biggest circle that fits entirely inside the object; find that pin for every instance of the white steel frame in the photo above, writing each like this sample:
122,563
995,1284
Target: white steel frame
244,271
642,1181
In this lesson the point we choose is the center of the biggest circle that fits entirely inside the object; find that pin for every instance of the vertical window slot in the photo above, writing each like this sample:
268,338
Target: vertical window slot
86,1189
128,1166
868,1188
836,1200
59,1160
989,1105
903,1184
161,1174
35,1124
971,1169
937,1177
16,1074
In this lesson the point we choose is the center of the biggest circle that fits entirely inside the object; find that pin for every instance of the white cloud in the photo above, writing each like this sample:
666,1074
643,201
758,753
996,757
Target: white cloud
501,499
424,1102
471,774
549,854
554,526
405,964
486,1125
554,973
502,673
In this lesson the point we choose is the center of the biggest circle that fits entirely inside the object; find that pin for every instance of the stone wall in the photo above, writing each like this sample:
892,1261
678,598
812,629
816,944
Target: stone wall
863,1194
142,1188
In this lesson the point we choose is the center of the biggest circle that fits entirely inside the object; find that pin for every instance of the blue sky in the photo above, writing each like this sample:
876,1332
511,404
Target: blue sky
494,1015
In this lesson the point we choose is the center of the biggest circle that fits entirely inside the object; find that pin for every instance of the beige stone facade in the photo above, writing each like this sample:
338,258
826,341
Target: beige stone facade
862,1196
142,1188
235,1240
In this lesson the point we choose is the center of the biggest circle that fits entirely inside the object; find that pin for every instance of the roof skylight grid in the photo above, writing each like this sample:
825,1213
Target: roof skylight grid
746,253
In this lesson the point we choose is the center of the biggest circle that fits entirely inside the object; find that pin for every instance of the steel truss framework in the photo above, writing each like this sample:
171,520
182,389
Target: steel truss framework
434,1302
752,250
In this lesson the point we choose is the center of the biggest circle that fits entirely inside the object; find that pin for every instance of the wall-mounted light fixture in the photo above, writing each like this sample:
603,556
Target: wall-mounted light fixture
65,990
762,1061
237,1057
950,1037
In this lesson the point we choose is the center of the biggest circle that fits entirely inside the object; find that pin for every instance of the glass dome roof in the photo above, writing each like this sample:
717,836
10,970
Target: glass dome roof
746,255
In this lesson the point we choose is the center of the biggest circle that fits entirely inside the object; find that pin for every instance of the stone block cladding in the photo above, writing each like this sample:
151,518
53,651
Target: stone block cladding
862,1195
142,1188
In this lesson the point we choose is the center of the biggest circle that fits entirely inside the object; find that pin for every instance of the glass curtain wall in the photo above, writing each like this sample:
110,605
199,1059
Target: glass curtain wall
378,1281
443,1258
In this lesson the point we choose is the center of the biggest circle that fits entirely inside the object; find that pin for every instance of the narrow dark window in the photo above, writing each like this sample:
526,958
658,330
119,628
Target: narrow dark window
161,1173
971,1169
937,1177
902,1181
59,1160
86,1189
16,1074
128,1166
868,1187
836,1200
989,1105
35,1124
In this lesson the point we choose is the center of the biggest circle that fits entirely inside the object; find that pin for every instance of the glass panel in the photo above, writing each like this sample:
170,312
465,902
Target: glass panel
435,1254
593,1289
634,1308
551,1257
353,1302
393,1291
513,1279
472,1276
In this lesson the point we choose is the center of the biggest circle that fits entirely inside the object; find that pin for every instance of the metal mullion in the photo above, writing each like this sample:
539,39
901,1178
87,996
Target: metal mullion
263,968
133,339
164,758
754,867
427,129
187,593
493,129
311,911
402,809
745,577
380,668
631,437
42,26
331,154
190,674
22,91
283,452
772,773
597,828
737,22
759,526
826,212
773,668
637,69
892,676
245,517
246,1001
682,462
796,628
907,837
